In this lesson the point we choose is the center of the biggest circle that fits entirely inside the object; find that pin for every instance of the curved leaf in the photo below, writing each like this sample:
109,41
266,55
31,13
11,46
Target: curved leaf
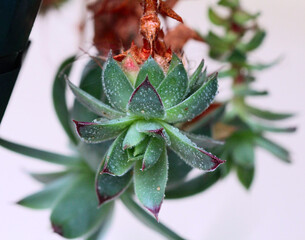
133,137
153,152
48,177
216,19
266,114
195,76
245,176
255,41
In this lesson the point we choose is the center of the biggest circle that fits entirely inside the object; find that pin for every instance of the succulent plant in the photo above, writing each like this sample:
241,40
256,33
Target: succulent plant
140,115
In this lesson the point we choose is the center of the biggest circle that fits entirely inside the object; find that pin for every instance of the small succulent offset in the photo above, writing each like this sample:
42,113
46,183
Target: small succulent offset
139,113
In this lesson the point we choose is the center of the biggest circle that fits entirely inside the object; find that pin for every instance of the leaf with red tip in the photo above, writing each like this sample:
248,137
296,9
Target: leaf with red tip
153,152
95,132
116,160
146,102
150,184
108,187
189,152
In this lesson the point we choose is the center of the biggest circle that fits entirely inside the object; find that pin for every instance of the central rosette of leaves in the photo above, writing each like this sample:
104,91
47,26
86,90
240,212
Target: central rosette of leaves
141,107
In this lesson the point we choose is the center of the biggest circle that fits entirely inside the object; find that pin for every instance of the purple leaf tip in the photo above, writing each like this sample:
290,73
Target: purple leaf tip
57,229
155,211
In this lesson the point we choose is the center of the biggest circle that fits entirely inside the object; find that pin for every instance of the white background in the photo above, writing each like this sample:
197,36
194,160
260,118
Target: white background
274,208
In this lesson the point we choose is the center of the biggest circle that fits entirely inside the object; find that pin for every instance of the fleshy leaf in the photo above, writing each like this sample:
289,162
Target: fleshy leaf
194,104
146,102
242,17
93,104
153,152
243,153
229,3
203,141
109,187
196,74
189,152
174,63
47,197
255,42
92,132
116,160
48,177
244,90
116,85
150,184
140,148
245,176
133,137
216,19
154,72
76,213
153,129
266,114
173,88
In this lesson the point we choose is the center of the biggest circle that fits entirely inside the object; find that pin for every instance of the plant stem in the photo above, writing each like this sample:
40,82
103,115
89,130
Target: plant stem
147,219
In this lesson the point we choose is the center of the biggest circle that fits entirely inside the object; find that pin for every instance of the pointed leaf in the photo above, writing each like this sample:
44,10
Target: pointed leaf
76,213
245,176
116,85
255,42
194,104
146,102
243,153
189,152
241,17
59,97
229,3
40,154
109,187
133,137
244,90
267,115
195,76
116,160
93,104
273,148
150,184
48,177
175,61
92,132
153,152
256,126
153,71
140,148
203,141
216,19
47,197
173,88
154,129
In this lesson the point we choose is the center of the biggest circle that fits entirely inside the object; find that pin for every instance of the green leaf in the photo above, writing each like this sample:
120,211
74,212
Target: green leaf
241,17
216,19
193,186
116,160
243,90
116,85
256,126
229,3
94,105
146,102
109,187
133,137
243,153
203,141
154,129
93,132
92,84
153,71
195,76
47,197
173,88
237,57
76,213
255,41
150,184
59,97
228,73
48,177
140,148
273,148
189,152
153,152
194,104
245,176
40,154
175,61
266,114
147,219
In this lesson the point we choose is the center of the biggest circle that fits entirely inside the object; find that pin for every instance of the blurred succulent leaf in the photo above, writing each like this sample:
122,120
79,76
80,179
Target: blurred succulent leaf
153,152
228,73
153,71
229,3
243,90
116,160
189,152
40,154
46,178
237,57
109,187
94,105
133,137
59,97
273,148
47,197
254,42
241,17
93,132
75,213
146,102
260,127
245,175
262,66
116,85
216,19
173,88
150,184
194,104
267,115
203,141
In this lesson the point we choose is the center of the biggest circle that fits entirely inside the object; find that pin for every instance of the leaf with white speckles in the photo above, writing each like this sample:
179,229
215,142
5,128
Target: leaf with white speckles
152,153
154,72
133,137
92,132
189,152
146,102
196,74
150,185
116,85
194,104
154,129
